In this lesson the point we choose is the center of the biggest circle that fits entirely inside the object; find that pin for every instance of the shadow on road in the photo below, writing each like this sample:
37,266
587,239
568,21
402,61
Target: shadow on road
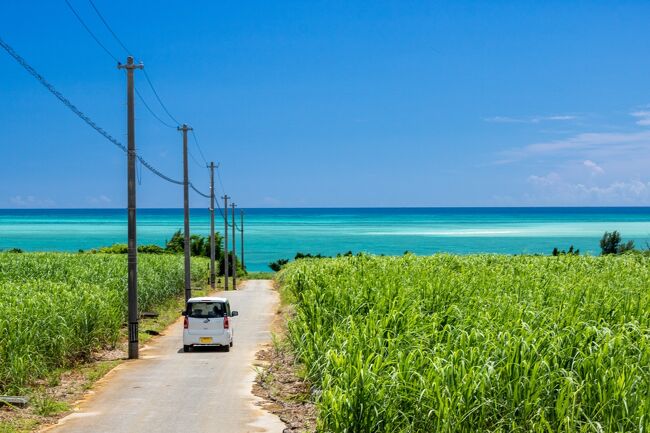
204,349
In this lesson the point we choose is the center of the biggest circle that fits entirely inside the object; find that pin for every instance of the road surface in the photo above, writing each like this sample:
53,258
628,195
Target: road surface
167,390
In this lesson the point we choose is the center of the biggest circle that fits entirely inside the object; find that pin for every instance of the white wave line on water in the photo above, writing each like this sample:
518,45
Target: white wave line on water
447,233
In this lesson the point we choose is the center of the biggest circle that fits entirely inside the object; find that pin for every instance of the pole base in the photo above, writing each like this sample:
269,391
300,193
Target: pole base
133,350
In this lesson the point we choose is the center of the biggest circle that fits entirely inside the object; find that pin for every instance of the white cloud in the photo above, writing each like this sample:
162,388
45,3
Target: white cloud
559,117
502,119
529,119
100,200
271,201
575,175
544,181
30,201
643,117
553,189
589,145
594,168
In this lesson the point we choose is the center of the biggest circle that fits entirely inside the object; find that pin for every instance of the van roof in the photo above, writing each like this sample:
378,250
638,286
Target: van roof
207,299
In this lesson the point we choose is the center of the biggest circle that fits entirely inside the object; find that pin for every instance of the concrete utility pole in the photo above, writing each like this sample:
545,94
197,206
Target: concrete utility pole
234,249
212,246
241,229
225,241
132,243
186,208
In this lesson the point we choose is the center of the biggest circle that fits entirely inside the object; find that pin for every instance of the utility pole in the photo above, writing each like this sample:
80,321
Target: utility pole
241,229
212,247
132,243
225,241
234,249
186,208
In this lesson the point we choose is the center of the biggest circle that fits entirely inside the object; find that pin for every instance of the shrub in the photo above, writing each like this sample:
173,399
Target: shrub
278,264
611,243
222,265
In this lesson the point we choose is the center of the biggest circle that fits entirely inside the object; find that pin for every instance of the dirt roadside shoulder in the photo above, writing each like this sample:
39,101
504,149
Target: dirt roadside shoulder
281,382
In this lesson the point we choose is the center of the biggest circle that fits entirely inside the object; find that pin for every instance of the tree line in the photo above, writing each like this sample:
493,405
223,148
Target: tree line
199,247
610,243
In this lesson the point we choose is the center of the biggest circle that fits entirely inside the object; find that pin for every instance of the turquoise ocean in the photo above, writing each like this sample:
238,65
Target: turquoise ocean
271,234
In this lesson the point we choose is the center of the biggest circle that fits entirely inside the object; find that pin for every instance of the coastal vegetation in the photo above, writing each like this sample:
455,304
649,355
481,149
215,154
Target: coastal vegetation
612,243
199,247
58,308
277,265
474,343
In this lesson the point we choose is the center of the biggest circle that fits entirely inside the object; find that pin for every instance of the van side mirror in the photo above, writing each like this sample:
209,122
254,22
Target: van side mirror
234,313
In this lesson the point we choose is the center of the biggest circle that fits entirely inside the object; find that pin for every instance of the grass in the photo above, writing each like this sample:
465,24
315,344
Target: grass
58,308
259,276
20,425
47,406
474,343
94,371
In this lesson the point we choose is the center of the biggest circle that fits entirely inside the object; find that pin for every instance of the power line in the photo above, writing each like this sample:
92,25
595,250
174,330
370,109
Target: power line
87,119
151,111
101,17
199,192
146,75
119,41
90,31
196,161
59,95
222,189
144,102
83,116
199,147
219,177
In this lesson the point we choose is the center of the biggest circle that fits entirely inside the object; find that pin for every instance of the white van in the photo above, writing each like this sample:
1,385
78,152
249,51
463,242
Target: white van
208,323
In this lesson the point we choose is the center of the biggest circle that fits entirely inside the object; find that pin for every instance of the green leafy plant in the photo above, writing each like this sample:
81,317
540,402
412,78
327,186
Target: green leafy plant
474,343
57,308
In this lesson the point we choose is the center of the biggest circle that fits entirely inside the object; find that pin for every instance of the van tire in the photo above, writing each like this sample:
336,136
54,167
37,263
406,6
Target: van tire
227,348
230,343
186,348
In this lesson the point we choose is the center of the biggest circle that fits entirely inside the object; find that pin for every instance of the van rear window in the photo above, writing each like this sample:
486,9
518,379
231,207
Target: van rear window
206,310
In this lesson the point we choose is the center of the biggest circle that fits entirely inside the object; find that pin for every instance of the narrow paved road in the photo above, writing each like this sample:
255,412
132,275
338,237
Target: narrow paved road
201,391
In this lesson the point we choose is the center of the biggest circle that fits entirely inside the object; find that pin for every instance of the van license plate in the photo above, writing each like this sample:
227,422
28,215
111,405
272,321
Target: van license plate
205,340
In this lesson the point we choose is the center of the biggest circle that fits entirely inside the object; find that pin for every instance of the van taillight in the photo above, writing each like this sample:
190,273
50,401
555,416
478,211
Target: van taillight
226,325
186,323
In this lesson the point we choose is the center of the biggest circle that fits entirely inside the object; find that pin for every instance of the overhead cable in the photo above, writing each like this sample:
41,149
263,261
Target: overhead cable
96,39
80,113
90,31
101,17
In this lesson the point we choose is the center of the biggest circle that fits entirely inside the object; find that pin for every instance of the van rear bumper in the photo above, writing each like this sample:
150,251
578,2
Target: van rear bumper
194,339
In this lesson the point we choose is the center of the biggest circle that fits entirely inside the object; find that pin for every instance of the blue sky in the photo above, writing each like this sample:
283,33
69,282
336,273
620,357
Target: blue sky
336,103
